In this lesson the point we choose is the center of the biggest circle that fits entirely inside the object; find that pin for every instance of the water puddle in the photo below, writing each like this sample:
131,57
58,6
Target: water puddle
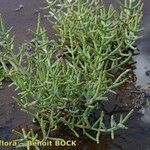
22,15
142,70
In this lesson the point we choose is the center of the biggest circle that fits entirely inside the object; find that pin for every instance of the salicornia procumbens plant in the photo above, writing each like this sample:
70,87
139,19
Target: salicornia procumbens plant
64,81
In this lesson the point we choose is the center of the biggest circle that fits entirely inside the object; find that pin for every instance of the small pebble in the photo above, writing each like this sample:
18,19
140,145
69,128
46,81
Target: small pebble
147,73
36,11
139,86
145,67
134,67
19,7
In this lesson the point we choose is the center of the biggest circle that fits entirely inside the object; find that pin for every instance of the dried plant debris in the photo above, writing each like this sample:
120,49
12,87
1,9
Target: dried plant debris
64,81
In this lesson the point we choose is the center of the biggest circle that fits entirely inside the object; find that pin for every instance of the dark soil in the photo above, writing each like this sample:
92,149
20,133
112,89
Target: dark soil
22,15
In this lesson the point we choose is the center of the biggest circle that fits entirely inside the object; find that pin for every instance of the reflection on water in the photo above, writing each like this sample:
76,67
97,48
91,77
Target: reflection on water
146,115
22,15
143,63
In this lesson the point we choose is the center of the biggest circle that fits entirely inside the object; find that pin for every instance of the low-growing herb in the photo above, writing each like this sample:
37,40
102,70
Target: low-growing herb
63,81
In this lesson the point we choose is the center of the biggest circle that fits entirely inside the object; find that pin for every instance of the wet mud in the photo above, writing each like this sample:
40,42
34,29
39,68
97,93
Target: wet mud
22,16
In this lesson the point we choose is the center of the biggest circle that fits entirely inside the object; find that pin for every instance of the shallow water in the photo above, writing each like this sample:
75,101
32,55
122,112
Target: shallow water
22,15
143,60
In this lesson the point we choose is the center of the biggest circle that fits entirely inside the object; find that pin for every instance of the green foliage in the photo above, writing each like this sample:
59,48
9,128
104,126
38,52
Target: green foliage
6,47
64,81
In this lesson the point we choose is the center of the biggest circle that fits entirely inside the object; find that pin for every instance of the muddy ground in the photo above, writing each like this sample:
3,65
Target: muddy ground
22,16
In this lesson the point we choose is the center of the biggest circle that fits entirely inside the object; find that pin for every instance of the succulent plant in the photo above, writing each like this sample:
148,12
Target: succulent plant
63,81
